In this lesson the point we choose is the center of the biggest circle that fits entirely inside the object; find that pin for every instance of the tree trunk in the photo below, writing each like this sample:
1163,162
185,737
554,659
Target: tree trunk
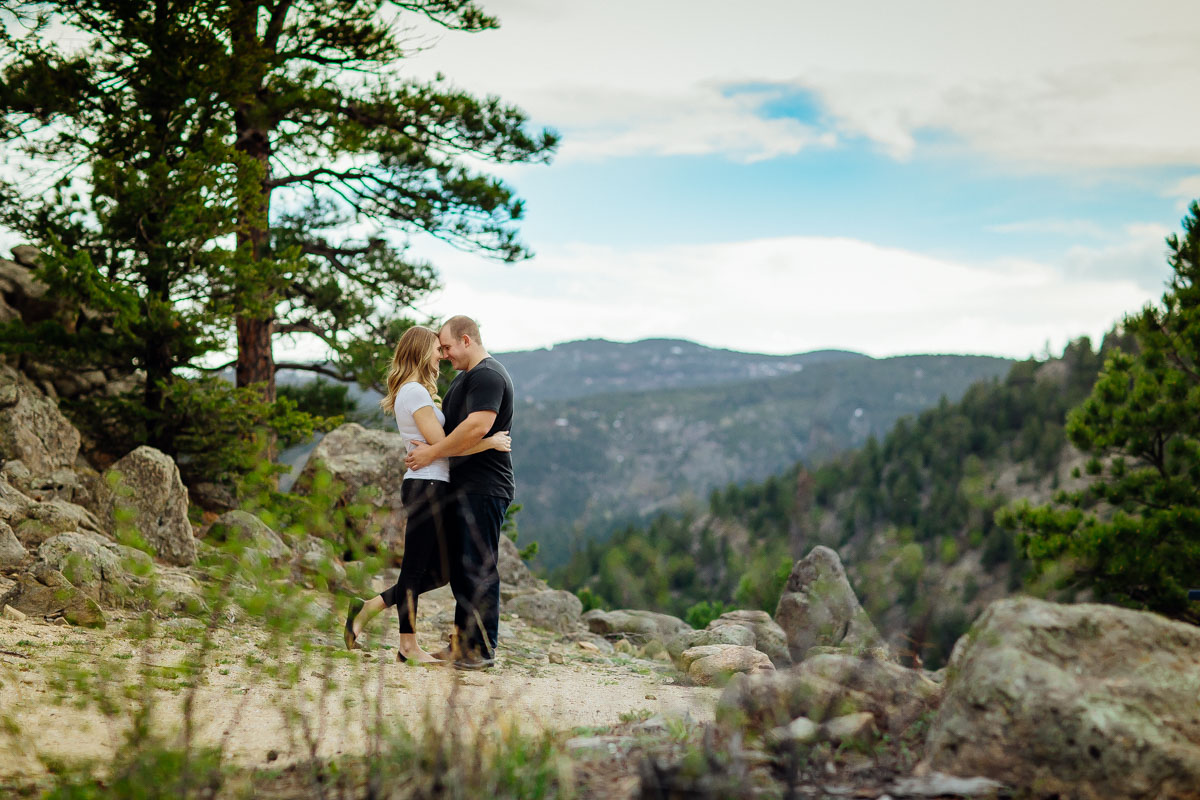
256,363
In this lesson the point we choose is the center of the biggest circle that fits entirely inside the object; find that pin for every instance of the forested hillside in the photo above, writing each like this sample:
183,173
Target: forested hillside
911,514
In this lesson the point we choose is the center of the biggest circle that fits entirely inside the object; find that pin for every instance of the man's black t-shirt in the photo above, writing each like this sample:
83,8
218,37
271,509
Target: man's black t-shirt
486,387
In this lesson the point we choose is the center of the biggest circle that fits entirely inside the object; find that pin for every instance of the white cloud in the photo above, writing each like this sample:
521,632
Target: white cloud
1072,82
784,295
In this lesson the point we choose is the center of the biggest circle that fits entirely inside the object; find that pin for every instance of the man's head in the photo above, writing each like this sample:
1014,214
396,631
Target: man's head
460,342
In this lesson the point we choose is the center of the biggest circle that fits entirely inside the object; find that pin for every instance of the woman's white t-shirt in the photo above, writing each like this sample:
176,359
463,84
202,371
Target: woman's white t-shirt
409,398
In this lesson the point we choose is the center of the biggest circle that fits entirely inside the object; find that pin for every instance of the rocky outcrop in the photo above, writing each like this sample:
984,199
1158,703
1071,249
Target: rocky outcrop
768,636
315,561
635,625
154,496
725,634
102,569
1086,701
832,685
12,552
32,429
715,664
819,608
45,520
369,465
515,577
552,609
47,594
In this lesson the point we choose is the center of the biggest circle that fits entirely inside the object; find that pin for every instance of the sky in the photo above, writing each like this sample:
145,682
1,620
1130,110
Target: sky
915,177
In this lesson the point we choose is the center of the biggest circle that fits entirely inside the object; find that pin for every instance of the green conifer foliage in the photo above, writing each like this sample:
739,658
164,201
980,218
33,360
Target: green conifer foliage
1133,535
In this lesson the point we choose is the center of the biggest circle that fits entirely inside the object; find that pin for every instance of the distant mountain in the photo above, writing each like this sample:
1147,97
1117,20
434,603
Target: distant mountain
587,465
598,366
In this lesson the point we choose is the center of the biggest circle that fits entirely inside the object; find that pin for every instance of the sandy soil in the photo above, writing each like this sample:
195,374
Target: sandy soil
250,718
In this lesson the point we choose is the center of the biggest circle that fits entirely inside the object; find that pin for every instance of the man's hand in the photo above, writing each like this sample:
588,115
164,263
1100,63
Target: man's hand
418,457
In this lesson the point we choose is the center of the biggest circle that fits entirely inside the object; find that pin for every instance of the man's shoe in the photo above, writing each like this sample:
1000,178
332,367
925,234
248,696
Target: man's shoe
474,663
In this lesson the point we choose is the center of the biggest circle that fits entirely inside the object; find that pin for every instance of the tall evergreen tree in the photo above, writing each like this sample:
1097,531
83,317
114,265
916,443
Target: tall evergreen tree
1133,535
228,145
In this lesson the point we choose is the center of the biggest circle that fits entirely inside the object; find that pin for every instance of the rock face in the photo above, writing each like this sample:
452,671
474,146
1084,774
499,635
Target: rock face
32,430
716,663
552,609
152,490
1086,700
819,608
47,594
768,636
370,465
832,685
635,625
44,520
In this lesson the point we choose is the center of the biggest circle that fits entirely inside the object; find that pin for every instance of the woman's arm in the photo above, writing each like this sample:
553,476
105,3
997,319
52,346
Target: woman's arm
428,425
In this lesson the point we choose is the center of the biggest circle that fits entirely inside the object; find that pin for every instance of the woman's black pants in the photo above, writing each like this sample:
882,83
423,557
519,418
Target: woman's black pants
426,563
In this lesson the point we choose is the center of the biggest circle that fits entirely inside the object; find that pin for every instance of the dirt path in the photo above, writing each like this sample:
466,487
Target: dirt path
236,708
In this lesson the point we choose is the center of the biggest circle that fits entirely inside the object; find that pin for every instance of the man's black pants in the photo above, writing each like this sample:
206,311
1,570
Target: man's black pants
475,522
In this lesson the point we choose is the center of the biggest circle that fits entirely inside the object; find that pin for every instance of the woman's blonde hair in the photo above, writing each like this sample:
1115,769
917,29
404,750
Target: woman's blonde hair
411,362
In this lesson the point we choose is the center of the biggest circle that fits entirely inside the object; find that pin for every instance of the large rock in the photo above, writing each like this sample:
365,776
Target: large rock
44,520
552,609
725,634
13,502
315,560
109,573
45,593
768,636
370,466
832,685
32,430
634,624
1086,701
251,533
152,492
818,608
717,663
515,577
12,552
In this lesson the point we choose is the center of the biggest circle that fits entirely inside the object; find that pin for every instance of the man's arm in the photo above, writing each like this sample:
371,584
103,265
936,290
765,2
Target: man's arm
466,436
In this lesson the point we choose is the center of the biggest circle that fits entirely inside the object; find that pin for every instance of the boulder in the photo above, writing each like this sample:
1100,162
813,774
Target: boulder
369,465
107,572
818,608
515,577
716,663
251,533
151,491
768,636
832,685
725,634
45,520
13,502
32,429
47,594
316,559
634,624
177,591
858,727
1087,701
12,553
552,609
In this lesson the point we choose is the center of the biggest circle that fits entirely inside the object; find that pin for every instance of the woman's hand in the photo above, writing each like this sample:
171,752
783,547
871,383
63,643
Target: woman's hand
500,441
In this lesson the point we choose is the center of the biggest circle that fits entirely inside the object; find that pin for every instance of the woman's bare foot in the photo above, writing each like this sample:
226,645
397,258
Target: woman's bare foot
409,651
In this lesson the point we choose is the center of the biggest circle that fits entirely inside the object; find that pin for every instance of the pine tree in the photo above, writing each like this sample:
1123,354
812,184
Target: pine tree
1133,535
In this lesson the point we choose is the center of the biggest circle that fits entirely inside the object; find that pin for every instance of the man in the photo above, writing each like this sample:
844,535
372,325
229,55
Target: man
478,403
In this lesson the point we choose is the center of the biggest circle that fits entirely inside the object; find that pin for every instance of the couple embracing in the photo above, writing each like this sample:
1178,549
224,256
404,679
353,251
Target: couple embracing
457,488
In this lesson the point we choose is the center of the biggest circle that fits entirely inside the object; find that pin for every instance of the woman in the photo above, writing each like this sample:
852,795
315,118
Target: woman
412,397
